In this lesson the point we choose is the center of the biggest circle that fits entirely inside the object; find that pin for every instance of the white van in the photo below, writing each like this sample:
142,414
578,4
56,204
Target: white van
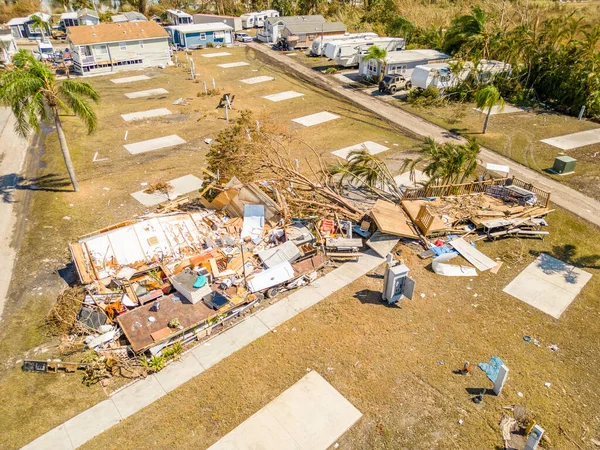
257,19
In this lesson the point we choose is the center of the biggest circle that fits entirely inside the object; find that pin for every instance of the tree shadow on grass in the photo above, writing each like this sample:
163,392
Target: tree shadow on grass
568,254
50,183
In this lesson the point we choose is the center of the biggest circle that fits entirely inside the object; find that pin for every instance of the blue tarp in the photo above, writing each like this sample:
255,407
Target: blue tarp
492,368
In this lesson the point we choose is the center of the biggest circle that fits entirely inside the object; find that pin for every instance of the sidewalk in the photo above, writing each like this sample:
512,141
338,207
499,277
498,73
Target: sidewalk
132,398
564,196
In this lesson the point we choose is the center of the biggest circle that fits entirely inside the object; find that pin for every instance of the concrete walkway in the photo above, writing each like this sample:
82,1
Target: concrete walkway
132,398
13,149
564,196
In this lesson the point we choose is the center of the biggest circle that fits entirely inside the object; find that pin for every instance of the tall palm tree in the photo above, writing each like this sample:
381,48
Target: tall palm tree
470,34
31,90
488,97
379,54
38,23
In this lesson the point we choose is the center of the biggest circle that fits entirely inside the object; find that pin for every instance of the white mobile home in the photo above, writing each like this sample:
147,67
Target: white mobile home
23,28
273,27
349,52
402,62
319,43
112,47
84,16
257,19
232,21
178,17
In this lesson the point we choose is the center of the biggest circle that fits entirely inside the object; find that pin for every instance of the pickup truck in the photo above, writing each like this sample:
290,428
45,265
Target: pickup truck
390,84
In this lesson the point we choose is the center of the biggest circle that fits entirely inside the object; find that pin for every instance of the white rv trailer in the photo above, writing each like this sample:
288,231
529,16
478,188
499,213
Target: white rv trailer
348,53
319,43
438,75
257,19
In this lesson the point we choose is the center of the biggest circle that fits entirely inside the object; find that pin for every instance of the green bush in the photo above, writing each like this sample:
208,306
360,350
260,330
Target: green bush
425,97
154,364
331,71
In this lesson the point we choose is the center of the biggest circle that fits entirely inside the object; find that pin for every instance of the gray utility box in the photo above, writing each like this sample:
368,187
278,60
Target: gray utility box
564,164
397,284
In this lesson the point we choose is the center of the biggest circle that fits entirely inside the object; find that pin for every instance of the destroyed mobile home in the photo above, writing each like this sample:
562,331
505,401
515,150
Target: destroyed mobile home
178,275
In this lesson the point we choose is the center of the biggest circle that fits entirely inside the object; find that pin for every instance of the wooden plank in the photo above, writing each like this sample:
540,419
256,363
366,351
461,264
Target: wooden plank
79,260
472,255
391,219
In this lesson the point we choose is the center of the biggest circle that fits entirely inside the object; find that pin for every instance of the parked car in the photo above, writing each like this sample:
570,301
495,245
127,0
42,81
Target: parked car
243,37
390,84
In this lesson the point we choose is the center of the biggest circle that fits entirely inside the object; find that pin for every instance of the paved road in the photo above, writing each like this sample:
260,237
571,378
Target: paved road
564,196
12,156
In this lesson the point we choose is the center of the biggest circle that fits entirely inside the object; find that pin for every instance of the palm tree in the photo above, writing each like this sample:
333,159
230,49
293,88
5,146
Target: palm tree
446,163
31,90
488,97
379,54
38,22
470,34
401,25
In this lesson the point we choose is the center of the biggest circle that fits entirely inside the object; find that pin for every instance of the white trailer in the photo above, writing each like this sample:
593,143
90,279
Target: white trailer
438,75
257,19
348,53
319,43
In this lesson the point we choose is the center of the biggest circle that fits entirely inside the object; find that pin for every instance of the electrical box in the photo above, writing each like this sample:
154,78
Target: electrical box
397,284
534,438
564,164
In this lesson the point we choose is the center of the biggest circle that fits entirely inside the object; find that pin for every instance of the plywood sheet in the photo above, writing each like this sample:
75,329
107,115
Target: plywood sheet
472,255
391,219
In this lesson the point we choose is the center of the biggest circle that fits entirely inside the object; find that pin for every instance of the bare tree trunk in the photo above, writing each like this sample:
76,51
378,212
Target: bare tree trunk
487,119
64,148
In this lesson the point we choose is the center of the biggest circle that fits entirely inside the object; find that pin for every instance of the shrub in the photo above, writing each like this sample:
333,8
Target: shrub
154,364
425,97
210,45
331,71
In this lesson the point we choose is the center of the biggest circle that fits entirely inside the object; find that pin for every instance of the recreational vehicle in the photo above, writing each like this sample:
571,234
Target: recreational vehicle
320,42
349,52
400,63
438,75
257,19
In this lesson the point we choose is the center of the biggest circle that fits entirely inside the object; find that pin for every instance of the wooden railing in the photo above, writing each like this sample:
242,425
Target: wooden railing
451,189
424,219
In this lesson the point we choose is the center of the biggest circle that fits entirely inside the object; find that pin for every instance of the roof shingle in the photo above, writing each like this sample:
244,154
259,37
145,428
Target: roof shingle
115,32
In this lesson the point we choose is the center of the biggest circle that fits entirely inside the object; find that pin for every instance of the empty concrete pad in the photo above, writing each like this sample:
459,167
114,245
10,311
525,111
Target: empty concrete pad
130,79
574,140
508,109
137,396
181,186
92,422
215,55
256,80
55,439
154,144
283,96
548,284
159,112
146,93
233,64
372,147
310,415
316,119
348,77
404,180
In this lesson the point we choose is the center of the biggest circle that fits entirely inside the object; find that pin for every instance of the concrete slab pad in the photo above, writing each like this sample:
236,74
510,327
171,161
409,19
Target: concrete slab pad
92,422
137,396
215,350
508,109
372,147
287,95
255,80
404,179
548,284
146,114
574,140
154,144
316,119
304,299
55,439
130,79
146,93
310,415
276,314
234,64
247,331
348,77
215,55
179,372
181,186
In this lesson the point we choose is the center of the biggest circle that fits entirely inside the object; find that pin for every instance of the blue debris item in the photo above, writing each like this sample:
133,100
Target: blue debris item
492,368
441,250
200,281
